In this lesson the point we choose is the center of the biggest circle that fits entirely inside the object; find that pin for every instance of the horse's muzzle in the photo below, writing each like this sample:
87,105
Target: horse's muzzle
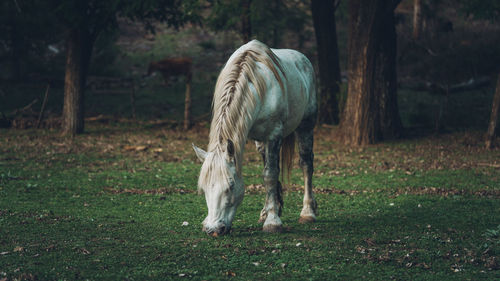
222,230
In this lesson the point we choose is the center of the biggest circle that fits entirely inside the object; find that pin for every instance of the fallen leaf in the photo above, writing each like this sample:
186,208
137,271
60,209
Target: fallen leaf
18,249
360,249
135,147
492,263
370,242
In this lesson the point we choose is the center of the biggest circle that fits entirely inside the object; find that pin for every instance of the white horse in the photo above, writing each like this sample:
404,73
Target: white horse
267,95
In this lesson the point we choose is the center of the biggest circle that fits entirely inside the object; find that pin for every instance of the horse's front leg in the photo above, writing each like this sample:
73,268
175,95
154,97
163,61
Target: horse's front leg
271,212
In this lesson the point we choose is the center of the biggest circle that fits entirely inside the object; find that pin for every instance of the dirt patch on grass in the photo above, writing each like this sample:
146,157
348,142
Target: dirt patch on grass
156,191
448,151
445,192
156,141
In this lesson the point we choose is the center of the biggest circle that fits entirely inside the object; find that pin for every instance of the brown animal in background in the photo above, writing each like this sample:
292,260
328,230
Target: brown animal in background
171,67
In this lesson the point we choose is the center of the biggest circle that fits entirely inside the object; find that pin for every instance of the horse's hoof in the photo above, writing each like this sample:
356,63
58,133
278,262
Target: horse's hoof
307,219
263,216
273,228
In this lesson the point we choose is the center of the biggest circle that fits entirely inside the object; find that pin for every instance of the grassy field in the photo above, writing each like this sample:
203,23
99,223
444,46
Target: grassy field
120,202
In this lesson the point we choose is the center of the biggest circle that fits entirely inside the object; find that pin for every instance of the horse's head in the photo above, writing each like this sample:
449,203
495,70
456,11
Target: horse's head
223,188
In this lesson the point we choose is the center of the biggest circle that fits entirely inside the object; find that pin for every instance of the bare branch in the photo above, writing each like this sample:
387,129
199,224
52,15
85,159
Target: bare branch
44,103
17,6
336,4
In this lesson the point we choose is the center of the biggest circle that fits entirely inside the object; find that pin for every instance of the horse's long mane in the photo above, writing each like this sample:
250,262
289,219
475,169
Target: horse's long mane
234,104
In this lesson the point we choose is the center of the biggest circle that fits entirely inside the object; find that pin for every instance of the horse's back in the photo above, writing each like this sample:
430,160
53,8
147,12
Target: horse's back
283,109
301,89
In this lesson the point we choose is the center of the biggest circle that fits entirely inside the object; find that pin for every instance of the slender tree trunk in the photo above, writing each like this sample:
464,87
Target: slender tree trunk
17,51
246,25
371,112
187,106
417,19
275,7
79,50
492,126
323,13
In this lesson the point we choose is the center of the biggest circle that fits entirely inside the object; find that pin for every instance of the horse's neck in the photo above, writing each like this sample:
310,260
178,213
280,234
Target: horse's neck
239,148
236,130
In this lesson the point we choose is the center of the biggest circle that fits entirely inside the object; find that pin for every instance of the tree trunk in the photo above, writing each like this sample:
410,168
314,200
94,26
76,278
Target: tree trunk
417,19
275,7
246,26
79,50
323,13
17,51
187,106
371,111
386,79
495,107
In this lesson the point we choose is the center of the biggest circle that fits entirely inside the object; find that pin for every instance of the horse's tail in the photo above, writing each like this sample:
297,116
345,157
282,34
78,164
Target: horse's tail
287,152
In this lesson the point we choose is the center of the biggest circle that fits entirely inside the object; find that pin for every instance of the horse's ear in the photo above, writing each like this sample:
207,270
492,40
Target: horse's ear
230,148
202,154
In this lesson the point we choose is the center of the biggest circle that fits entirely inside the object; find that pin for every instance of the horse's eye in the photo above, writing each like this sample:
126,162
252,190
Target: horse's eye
231,185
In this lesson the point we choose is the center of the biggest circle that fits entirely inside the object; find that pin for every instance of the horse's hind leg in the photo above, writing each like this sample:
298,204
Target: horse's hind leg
261,148
305,139
272,207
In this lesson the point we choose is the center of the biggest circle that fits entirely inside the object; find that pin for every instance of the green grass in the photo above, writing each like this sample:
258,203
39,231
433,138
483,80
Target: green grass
426,208
90,209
